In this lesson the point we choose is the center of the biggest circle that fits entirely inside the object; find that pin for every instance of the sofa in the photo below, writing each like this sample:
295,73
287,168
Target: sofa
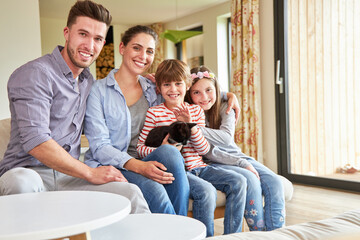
345,226
4,135
221,199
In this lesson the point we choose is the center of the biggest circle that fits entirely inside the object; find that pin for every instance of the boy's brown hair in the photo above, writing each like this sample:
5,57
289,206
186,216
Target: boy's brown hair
172,70
89,9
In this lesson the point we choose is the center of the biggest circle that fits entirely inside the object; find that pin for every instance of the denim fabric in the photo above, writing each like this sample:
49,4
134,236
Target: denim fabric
203,185
269,186
168,198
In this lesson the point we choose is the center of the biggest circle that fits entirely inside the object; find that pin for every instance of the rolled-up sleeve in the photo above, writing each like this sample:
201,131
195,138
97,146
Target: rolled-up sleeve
31,99
104,150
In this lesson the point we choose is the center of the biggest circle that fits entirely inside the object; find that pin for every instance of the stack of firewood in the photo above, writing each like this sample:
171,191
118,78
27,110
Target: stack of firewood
105,61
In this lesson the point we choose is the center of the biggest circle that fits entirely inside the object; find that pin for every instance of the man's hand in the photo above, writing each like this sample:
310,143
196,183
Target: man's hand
233,103
54,156
105,174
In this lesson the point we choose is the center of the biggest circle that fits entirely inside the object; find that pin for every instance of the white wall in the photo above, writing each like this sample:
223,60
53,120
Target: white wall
20,41
117,31
268,84
194,46
211,19
51,34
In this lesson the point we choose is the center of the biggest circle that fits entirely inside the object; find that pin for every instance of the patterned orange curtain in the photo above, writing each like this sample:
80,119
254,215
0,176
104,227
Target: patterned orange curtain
159,52
245,55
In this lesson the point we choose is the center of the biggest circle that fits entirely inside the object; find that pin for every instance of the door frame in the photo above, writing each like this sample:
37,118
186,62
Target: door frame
282,111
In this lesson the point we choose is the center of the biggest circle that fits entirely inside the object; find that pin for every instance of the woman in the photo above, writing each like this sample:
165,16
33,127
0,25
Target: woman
115,114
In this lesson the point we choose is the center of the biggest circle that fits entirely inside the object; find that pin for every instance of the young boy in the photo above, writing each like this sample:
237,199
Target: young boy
172,80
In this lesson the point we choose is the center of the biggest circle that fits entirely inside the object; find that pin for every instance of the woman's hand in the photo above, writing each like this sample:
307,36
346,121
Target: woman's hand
182,113
233,103
151,77
253,170
153,170
156,171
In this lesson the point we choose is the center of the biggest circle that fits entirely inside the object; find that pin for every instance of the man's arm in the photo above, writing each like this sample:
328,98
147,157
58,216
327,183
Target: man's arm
31,94
54,156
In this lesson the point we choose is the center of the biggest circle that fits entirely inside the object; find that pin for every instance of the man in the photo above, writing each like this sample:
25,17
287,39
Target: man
47,102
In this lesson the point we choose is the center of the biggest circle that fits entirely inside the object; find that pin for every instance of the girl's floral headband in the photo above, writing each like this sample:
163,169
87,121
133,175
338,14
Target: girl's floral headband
201,75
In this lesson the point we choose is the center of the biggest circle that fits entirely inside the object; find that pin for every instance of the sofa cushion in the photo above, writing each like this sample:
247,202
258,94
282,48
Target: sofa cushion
4,135
221,198
288,188
343,226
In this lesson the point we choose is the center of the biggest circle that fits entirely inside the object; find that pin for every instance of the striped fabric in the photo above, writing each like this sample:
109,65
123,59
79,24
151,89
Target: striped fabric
162,116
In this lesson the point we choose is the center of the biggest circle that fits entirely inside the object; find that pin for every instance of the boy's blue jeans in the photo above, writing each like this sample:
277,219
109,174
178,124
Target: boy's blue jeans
168,198
203,185
259,216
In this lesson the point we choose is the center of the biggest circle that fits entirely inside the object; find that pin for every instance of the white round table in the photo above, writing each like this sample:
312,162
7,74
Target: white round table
49,215
152,227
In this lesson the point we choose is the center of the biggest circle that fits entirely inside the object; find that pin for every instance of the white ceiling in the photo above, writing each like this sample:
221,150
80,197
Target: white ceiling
132,12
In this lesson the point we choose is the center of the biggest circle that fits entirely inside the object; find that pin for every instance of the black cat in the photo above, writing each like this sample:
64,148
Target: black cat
180,132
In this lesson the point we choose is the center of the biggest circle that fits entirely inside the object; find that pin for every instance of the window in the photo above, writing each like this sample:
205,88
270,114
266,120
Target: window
318,112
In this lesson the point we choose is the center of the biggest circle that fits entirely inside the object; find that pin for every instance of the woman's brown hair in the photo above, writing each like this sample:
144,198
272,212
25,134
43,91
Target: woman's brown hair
135,30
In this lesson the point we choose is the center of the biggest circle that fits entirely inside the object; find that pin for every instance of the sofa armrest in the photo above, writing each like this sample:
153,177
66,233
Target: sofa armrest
5,128
343,226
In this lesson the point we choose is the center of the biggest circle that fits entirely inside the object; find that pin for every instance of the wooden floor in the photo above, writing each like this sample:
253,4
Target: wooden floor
311,204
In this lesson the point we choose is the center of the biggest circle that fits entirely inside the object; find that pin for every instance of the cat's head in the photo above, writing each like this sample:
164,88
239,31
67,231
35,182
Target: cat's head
180,132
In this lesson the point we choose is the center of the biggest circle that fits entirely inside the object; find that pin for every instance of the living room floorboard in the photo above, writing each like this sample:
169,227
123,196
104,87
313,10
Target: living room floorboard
311,203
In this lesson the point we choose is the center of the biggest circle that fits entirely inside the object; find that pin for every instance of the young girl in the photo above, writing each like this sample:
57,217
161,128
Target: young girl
172,80
225,154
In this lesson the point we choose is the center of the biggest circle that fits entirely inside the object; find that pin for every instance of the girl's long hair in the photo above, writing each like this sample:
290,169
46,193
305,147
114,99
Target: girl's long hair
213,114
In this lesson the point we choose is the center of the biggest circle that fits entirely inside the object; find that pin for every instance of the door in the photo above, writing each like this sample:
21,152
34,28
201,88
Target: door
318,91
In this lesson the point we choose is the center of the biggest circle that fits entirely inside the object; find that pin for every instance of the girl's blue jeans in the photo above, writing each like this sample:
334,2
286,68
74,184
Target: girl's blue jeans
203,185
266,213
168,198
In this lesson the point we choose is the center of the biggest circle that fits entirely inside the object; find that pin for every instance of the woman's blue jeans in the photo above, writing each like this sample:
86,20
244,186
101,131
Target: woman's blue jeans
203,185
259,216
168,198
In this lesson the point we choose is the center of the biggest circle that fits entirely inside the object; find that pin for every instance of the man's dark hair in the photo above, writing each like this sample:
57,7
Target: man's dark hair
89,9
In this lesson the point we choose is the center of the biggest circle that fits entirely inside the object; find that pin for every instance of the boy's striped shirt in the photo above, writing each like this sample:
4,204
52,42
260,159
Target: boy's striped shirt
162,116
